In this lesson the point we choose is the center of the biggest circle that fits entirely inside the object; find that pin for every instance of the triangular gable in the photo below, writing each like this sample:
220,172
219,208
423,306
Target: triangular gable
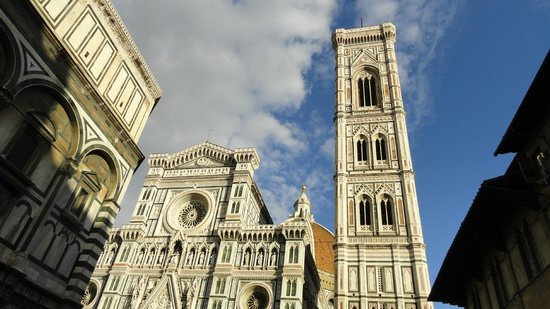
92,180
365,56
361,128
366,189
164,295
202,154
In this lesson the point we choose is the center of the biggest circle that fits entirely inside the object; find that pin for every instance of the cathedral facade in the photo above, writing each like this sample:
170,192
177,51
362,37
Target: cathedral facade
380,259
202,237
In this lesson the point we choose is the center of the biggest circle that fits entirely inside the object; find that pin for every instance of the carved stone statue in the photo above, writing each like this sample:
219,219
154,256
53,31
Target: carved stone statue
175,258
273,259
151,257
109,259
260,259
161,257
212,258
201,258
246,258
139,257
190,257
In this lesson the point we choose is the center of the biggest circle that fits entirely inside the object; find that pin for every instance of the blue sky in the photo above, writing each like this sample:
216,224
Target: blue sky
260,73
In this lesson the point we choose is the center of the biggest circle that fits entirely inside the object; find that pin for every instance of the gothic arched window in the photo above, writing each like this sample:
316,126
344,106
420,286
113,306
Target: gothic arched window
361,146
293,290
141,210
364,212
293,254
387,213
125,253
226,257
220,286
367,91
380,145
235,207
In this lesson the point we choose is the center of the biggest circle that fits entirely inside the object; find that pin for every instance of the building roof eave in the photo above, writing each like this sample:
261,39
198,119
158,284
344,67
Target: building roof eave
483,228
530,116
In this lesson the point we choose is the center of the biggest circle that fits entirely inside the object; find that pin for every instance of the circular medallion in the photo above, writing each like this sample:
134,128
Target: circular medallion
202,161
192,214
255,296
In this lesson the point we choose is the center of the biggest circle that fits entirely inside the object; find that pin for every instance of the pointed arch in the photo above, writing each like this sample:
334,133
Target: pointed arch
364,203
366,84
386,210
381,147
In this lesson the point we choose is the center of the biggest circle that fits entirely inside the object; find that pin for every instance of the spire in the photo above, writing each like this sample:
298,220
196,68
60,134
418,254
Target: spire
302,206
302,199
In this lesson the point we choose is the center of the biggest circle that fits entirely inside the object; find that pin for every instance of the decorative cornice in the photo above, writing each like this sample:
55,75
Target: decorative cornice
355,36
206,149
129,45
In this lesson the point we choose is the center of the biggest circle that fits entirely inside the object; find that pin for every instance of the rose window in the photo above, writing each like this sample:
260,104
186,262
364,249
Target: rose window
191,214
89,294
257,300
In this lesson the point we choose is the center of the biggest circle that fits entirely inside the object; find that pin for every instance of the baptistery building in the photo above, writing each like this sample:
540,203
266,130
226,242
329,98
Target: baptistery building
75,94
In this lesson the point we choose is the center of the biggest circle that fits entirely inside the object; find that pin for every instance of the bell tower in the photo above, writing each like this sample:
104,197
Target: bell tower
380,259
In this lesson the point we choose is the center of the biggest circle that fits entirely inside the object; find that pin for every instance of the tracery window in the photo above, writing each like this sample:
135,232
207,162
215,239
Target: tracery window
364,211
380,145
238,191
114,283
293,254
367,91
125,253
147,194
293,288
226,256
387,212
192,214
235,207
220,286
288,287
361,147
257,300
89,294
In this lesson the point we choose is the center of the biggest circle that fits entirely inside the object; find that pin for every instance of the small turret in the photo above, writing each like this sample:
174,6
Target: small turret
302,206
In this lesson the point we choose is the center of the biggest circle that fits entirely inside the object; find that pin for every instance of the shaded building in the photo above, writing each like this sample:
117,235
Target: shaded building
75,94
500,256
201,237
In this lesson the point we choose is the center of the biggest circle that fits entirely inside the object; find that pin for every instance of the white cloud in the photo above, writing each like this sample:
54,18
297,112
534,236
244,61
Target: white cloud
231,68
327,147
420,26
